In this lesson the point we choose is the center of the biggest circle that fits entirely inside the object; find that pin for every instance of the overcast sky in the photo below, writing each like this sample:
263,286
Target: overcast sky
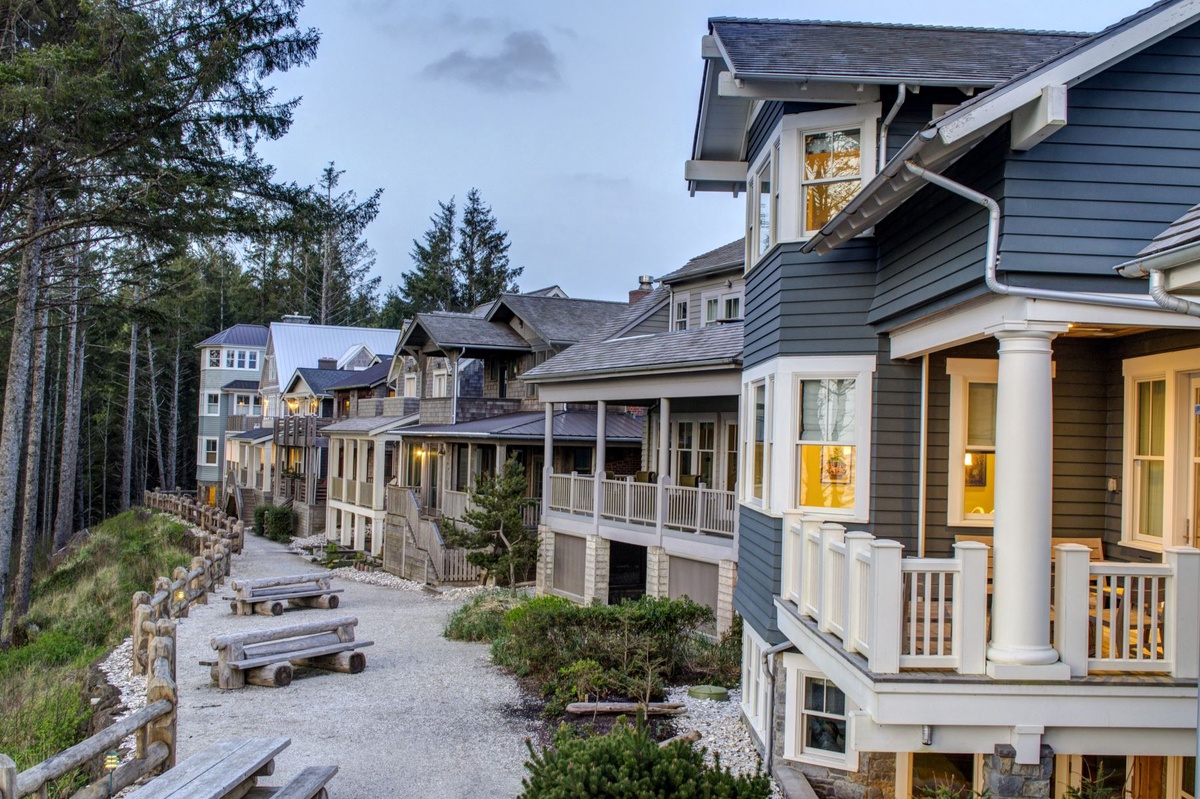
573,119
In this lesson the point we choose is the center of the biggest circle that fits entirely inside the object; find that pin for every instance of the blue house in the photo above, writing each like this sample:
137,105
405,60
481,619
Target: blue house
970,460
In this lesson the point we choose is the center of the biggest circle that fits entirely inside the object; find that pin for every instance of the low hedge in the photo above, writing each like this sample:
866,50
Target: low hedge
274,522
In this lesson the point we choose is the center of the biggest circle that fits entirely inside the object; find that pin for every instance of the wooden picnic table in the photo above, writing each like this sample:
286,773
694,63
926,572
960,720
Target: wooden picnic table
226,767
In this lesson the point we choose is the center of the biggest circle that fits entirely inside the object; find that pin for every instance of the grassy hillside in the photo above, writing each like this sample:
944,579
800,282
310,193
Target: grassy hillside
80,610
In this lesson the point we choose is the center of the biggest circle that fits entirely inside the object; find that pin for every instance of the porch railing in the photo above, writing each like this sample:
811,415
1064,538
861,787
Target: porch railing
454,504
932,613
700,510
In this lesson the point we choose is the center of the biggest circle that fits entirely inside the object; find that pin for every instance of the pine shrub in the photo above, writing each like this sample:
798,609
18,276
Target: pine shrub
260,519
628,763
276,522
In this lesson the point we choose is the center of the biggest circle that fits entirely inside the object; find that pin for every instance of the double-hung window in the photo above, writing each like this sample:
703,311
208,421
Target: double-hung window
828,443
695,450
214,359
971,493
251,359
757,462
208,452
816,723
831,175
212,405
679,313
720,306
241,359
230,357
410,385
762,227
441,384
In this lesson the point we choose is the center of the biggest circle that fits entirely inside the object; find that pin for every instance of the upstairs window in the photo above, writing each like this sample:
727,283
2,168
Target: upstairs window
212,405
679,314
721,306
251,360
832,174
762,229
410,385
828,443
230,355
214,359
441,384
241,359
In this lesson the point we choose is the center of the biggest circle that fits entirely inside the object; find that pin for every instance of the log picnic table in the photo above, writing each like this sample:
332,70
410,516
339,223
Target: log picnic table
230,770
266,657
266,596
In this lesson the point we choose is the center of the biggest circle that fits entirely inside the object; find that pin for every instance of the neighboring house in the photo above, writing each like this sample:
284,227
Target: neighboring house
663,524
967,481
300,364
229,365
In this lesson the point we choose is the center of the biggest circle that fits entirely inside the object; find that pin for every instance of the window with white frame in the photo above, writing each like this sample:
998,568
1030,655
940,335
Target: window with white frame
695,450
679,313
208,452
757,441
720,306
815,717
755,685
811,169
251,359
441,383
245,405
410,385
827,449
214,359
230,358
1161,463
241,359
971,494
212,405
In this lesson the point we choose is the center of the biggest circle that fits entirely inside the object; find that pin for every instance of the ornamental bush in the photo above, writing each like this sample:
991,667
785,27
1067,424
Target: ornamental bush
628,763
260,516
276,522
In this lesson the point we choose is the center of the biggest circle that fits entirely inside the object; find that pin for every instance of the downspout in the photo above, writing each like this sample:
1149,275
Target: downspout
768,665
992,255
901,94
1158,279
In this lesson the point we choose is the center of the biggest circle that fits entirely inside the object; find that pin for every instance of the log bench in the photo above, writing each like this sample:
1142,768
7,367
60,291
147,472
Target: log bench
268,596
230,770
266,657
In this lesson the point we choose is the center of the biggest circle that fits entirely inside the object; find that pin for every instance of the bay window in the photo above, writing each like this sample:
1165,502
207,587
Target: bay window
827,443
758,443
831,175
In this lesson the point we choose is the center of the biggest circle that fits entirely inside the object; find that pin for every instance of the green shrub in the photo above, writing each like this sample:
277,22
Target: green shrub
260,519
482,617
276,522
627,763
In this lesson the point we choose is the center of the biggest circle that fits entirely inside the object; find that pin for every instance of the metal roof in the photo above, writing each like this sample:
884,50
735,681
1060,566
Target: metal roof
620,428
369,424
557,320
882,53
297,345
254,434
728,256
714,345
240,385
238,336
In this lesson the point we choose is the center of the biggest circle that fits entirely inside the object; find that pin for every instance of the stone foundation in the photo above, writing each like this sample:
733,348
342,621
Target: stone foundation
595,571
727,581
1004,778
545,562
657,574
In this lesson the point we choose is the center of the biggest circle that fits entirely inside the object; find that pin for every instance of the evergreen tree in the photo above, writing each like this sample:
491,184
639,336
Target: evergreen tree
432,285
494,529
483,267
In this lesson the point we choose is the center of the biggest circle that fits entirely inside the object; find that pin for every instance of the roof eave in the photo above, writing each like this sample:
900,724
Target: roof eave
671,368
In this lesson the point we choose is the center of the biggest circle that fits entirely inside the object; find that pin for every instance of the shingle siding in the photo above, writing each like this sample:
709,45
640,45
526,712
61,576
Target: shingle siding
760,556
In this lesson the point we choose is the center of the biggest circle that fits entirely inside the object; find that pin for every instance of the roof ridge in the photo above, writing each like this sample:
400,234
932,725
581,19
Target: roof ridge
563,299
903,25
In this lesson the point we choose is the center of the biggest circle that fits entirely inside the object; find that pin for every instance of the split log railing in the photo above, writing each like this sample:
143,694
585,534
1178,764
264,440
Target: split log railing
207,518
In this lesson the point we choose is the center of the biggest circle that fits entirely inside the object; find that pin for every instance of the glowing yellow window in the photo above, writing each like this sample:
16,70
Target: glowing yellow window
979,458
832,174
827,450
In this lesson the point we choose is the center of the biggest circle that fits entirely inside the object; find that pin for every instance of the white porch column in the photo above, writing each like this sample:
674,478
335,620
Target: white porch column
601,455
1020,646
547,459
664,437
377,476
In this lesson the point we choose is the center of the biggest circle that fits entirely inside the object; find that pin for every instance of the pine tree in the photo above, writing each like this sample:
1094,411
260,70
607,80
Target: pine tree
483,266
494,528
432,286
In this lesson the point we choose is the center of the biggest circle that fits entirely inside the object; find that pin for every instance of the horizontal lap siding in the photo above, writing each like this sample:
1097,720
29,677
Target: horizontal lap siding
760,558
895,434
1124,167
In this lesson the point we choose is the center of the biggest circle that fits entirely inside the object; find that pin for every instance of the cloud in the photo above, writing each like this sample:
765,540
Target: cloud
525,62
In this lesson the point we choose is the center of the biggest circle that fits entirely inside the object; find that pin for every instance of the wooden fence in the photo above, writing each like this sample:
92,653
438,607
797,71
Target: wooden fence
154,653
207,518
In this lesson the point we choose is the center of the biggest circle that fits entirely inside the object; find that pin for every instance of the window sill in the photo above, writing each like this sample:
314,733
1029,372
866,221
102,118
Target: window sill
974,523
822,760
830,515
1145,546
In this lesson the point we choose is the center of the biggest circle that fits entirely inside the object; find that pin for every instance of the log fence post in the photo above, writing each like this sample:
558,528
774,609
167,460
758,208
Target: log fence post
161,685
8,777
141,615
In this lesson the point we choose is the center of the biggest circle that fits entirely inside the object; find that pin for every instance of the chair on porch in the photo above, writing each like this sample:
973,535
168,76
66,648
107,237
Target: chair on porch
689,480
645,477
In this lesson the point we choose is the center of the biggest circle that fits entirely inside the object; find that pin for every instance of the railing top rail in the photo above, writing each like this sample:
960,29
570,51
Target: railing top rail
930,565
1109,568
863,555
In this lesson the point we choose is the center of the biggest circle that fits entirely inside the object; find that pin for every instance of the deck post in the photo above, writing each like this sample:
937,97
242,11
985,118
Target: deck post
599,471
1183,597
547,461
1072,573
1020,646
830,532
886,595
970,618
856,542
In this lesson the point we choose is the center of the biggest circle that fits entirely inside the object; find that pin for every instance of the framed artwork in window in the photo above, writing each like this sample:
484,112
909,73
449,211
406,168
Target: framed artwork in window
837,465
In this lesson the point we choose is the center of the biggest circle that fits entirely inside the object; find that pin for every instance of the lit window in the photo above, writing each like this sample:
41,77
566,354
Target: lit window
972,457
212,405
827,444
832,174
214,359
1149,457
758,457
410,385
241,406
440,384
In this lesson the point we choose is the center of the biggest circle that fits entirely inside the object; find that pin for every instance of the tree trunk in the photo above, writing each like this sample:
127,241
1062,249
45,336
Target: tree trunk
33,457
173,423
12,428
154,420
64,516
52,424
130,413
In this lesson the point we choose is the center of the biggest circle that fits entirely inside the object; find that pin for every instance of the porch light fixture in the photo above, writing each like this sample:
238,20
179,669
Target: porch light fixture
180,595
292,403
927,735
111,761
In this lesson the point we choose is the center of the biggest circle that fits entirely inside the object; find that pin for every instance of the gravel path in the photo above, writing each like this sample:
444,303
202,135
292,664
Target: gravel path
428,718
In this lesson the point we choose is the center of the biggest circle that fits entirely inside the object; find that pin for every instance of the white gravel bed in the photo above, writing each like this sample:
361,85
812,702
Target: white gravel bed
118,671
310,542
722,731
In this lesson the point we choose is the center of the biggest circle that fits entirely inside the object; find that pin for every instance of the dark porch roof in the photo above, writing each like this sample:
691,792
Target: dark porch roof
620,428
1185,230
365,378
254,434
715,345
458,331
240,385
556,320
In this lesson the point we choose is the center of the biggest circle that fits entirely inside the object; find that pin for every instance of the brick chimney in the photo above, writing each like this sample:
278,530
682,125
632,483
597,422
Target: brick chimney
327,363
645,286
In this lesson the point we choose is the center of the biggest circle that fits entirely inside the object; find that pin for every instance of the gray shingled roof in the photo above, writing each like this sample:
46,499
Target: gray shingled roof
319,380
254,434
559,320
458,330
1185,230
365,424
364,378
240,385
799,49
238,336
712,345
568,425
727,256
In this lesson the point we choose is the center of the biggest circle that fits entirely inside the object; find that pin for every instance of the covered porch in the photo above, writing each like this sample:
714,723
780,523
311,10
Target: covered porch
363,460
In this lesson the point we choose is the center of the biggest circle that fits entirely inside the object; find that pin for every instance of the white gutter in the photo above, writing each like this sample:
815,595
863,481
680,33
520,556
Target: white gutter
768,665
901,94
992,254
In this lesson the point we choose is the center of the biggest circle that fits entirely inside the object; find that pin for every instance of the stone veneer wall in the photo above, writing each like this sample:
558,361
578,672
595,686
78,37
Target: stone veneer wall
726,582
876,775
595,571
1004,778
545,563
657,571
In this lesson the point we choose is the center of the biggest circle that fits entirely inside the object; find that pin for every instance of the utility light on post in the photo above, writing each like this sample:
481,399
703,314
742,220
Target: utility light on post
180,595
111,761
